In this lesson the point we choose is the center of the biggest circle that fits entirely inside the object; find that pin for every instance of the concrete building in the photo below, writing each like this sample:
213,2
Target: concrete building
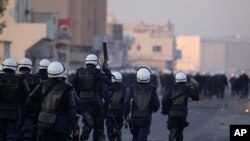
88,17
190,53
40,50
152,45
79,23
204,54
118,45
21,34
23,11
4,50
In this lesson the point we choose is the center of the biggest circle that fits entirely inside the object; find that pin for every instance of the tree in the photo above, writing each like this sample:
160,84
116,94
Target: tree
3,4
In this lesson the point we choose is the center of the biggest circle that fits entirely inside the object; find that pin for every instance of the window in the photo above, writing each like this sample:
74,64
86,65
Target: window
138,48
156,48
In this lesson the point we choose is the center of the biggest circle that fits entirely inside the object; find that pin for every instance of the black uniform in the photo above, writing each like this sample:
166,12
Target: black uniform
244,85
178,110
57,116
13,93
114,120
145,102
92,87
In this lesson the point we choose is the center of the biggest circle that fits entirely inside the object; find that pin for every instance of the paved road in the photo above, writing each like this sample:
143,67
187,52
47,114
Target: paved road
199,115
209,121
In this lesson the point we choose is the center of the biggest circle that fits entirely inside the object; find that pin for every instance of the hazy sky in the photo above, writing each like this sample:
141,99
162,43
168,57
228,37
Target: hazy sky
213,18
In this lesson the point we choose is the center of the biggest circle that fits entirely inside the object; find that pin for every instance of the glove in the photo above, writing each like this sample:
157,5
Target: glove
75,134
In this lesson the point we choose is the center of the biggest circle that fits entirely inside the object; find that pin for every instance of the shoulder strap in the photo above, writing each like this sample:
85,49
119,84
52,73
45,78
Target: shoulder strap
47,92
178,96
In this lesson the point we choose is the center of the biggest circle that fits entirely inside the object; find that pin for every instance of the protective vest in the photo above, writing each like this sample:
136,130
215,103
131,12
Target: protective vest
116,97
179,93
31,80
42,74
141,107
9,88
50,106
86,81
179,97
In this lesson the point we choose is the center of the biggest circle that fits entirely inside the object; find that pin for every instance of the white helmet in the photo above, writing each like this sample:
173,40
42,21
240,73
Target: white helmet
25,63
116,77
180,77
56,70
243,72
43,64
91,59
143,75
9,64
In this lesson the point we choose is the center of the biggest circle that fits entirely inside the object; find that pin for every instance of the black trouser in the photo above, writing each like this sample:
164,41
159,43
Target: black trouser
8,130
176,125
114,128
93,118
52,136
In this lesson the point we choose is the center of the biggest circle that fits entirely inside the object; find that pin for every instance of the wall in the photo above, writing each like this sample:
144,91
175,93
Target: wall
190,53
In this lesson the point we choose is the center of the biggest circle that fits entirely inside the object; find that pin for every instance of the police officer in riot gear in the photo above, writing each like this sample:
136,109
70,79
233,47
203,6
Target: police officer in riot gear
57,115
13,92
43,66
244,84
115,116
145,101
91,85
25,69
178,111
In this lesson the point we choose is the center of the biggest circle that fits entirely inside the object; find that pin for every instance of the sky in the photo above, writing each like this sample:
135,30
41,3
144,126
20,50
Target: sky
208,18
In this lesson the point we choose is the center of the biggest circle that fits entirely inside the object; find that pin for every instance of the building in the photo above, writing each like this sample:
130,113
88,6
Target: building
88,17
118,45
152,45
206,54
79,24
19,31
190,53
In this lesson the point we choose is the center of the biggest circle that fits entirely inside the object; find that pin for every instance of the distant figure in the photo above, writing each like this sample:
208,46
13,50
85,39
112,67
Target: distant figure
233,85
244,83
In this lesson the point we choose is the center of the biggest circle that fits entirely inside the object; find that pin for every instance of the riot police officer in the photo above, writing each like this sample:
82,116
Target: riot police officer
177,114
145,101
13,92
115,116
43,66
244,84
25,69
57,115
92,85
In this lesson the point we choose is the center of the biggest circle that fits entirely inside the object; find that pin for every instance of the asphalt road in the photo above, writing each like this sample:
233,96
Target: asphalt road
206,118
200,114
